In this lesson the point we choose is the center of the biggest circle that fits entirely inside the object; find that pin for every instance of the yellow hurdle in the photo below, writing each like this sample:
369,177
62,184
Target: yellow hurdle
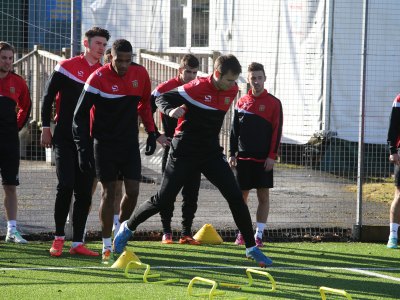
213,291
324,290
147,275
251,281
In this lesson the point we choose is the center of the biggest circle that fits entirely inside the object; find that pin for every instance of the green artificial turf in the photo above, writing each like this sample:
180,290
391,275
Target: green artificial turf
28,272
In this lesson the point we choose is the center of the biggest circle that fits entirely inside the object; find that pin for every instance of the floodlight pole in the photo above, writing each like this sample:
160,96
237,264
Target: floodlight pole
360,165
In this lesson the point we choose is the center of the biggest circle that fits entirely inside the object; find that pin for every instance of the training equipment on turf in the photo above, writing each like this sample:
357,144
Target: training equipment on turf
324,290
247,287
125,258
213,291
147,274
208,235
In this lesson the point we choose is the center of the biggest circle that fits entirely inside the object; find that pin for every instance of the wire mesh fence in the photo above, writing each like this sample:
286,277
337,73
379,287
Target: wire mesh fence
333,64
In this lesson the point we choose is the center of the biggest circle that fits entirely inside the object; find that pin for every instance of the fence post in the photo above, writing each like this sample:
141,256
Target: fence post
35,85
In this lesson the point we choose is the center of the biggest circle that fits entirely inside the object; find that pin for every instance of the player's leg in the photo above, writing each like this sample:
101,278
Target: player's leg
107,172
220,174
173,179
9,167
83,199
262,214
64,154
395,212
190,195
117,203
167,214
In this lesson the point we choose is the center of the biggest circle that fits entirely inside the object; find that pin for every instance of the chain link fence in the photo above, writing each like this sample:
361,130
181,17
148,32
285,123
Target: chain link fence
333,64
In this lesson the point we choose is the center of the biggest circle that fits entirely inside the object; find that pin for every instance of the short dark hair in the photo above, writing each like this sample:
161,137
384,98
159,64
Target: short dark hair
189,60
97,31
107,56
6,46
256,67
226,63
122,45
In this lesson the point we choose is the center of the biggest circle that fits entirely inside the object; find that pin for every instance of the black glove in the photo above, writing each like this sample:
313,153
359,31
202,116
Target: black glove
86,160
150,143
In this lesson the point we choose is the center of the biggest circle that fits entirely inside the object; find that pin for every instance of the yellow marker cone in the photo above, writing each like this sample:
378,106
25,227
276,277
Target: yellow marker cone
208,235
125,258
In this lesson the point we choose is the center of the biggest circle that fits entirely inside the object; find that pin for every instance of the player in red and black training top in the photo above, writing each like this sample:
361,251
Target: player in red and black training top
200,107
254,140
393,140
14,94
65,86
118,92
188,68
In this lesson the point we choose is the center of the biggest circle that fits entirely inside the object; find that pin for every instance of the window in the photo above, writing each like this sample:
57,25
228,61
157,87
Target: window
189,23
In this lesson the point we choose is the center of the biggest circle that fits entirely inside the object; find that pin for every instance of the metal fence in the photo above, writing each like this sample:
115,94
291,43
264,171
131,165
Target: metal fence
325,66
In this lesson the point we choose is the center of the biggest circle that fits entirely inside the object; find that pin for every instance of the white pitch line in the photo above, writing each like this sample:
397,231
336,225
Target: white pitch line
374,274
360,270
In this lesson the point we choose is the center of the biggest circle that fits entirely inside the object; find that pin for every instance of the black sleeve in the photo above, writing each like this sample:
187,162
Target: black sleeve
394,129
234,136
81,121
168,101
53,86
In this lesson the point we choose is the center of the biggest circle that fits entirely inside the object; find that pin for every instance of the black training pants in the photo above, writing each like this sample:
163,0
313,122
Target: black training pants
71,181
217,171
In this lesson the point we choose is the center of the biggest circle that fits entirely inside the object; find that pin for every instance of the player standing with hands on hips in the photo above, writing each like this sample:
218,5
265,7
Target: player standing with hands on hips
200,107
255,136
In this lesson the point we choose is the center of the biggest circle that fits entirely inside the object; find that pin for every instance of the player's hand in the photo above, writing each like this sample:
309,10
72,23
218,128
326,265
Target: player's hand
232,162
86,161
150,143
163,140
269,164
46,138
178,112
394,158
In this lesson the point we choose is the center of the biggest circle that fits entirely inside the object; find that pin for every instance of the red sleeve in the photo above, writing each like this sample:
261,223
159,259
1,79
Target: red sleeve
144,106
276,131
24,105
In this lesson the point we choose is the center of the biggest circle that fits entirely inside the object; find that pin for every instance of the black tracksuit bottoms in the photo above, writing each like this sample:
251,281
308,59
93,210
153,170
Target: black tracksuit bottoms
71,181
217,171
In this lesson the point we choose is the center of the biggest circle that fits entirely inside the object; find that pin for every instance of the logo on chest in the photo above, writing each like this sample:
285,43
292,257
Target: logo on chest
135,83
227,100
12,90
80,73
207,98
114,88
261,108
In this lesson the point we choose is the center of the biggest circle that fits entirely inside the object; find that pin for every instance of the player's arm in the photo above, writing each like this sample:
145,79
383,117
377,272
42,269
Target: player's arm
394,131
234,139
144,106
276,131
81,120
53,86
171,104
24,106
